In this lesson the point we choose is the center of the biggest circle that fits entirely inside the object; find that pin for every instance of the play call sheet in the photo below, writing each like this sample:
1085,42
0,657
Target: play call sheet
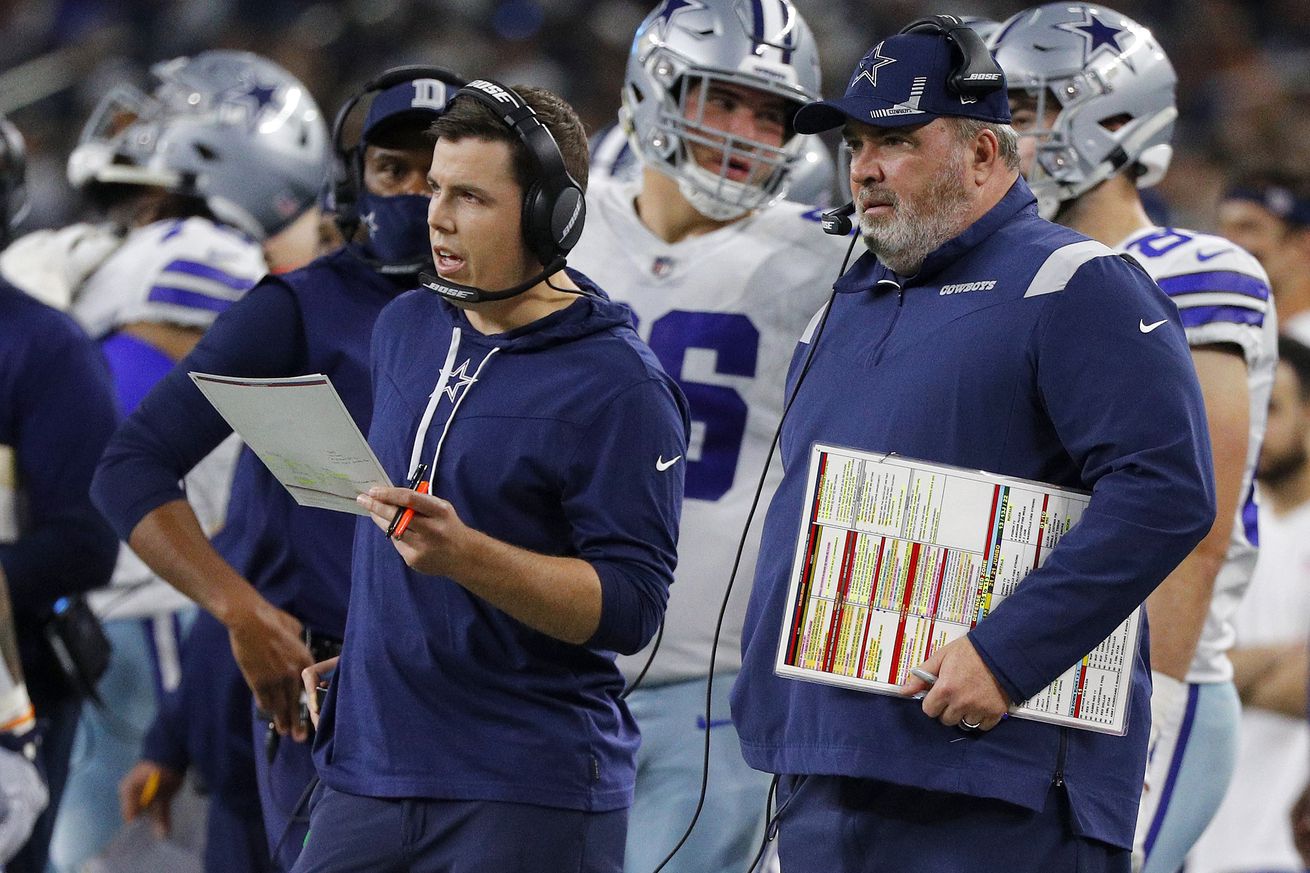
898,557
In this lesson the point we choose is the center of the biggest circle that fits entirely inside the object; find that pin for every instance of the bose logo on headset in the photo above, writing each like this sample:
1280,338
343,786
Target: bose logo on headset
493,89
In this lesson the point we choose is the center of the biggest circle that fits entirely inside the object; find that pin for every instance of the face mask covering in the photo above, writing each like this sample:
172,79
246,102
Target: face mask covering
397,229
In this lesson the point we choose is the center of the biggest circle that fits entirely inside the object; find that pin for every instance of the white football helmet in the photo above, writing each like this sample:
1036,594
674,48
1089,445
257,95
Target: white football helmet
1114,87
761,44
229,127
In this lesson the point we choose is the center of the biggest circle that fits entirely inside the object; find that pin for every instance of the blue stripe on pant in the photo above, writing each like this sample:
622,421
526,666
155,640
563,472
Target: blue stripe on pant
1199,769
835,824
351,834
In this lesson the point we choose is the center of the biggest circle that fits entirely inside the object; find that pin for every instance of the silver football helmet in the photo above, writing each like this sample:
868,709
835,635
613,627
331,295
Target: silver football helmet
1114,88
679,51
13,180
230,127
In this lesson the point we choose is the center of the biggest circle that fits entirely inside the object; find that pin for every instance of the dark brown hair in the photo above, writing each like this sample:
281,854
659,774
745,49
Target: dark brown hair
466,117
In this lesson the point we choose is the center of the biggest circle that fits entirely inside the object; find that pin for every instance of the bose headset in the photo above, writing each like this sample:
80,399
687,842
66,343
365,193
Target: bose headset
554,206
975,75
348,178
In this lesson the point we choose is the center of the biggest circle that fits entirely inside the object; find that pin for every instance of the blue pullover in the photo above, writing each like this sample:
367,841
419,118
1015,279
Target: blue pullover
1017,349
56,414
563,437
317,319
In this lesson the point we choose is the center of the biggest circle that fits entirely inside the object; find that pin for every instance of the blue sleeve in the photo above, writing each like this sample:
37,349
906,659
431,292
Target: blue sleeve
175,427
625,506
64,414
166,740
1127,408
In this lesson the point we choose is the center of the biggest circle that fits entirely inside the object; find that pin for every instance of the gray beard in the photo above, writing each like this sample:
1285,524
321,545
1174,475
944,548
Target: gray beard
904,240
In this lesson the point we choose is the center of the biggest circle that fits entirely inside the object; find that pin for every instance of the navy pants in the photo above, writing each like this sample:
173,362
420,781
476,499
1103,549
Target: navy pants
834,824
282,785
351,834
235,841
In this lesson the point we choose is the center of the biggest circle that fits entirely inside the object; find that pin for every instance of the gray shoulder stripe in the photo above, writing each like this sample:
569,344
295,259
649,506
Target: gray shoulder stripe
1062,263
813,325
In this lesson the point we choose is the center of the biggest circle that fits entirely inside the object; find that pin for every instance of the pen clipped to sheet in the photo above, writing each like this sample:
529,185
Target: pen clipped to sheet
400,521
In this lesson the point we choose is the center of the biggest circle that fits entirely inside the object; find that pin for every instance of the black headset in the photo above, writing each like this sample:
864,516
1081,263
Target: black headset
348,176
554,207
977,72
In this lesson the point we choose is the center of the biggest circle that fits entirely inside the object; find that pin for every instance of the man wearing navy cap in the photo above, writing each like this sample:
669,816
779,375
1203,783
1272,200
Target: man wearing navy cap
276,580
975,333
1268,214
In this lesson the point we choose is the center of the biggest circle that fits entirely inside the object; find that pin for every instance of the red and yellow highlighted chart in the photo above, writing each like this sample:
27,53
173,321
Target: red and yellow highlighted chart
898,557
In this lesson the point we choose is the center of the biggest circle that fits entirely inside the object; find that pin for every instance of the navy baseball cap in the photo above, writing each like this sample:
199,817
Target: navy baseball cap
418,100
903,80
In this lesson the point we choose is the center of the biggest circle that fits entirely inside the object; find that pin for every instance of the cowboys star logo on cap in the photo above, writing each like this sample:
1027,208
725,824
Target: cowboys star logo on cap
871,72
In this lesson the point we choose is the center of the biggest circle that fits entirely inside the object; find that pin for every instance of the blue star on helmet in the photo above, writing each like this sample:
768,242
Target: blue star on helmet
673,7
1096,33
261,94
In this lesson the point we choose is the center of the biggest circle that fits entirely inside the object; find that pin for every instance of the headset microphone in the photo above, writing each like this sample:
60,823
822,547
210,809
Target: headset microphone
457,293
838,221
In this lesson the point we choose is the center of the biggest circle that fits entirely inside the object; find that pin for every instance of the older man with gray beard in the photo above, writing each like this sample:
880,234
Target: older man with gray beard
979,335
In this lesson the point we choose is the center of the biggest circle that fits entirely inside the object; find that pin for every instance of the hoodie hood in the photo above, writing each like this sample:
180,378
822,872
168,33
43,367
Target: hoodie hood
592,313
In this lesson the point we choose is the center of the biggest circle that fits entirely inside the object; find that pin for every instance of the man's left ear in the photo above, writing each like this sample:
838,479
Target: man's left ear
986,154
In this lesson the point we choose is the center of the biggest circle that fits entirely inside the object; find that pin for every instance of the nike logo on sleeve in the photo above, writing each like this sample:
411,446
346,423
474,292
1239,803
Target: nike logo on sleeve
662,465
1147,328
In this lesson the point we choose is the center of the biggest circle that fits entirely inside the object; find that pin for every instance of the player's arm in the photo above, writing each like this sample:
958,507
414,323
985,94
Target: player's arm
136,487
1178,608
1272,678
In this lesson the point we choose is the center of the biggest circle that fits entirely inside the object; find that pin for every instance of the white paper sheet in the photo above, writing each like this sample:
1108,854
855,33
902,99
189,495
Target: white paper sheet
303,433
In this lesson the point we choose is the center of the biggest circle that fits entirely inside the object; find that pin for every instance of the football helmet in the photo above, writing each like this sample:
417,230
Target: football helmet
1113,87
229,127
679,51
13,180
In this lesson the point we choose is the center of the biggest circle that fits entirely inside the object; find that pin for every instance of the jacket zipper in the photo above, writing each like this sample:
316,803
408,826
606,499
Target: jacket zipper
1057,778
900,301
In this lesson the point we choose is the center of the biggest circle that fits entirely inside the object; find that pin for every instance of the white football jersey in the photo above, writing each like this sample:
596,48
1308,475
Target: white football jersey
1222,294
722,312
182,272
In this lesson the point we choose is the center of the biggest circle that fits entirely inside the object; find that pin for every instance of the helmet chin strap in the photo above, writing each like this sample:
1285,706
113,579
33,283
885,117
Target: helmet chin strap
457,293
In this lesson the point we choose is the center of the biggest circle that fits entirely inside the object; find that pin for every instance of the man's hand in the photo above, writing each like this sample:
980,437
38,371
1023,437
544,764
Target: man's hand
312,676
270,651
432,543
965,693
150,787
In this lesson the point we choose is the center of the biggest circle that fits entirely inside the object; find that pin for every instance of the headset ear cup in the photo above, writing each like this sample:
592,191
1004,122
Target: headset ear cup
536,224
568,214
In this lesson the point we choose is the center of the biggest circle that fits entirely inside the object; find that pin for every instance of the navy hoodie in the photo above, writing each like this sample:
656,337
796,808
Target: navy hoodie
564,437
